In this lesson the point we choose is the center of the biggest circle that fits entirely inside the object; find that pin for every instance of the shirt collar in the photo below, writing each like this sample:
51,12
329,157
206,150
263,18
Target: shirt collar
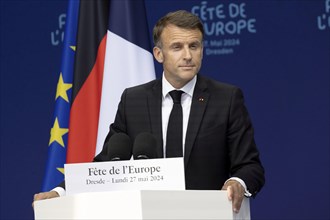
188,88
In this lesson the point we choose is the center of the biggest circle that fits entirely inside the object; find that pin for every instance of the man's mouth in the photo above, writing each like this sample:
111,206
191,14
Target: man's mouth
187,66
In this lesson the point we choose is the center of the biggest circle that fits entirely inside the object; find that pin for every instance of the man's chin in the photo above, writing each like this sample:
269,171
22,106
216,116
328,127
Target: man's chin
187,75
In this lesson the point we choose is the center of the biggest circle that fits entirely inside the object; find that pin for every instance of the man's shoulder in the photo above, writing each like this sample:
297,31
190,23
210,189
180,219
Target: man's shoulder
211,83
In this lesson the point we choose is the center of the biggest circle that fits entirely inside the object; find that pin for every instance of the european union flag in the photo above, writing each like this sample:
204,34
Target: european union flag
59,132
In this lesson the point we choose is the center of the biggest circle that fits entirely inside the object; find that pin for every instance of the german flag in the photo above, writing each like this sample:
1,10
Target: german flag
87,82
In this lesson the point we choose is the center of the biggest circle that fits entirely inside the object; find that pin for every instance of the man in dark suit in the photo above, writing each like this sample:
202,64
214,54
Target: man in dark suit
219,147
217,135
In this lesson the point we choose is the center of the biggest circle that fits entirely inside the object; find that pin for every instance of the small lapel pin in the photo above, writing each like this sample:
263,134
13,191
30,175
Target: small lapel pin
201,99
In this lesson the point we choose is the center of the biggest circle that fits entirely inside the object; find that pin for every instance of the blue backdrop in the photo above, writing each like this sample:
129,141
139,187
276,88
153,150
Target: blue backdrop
278,52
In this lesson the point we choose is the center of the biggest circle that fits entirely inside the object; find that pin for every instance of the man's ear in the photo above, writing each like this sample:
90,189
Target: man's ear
158,54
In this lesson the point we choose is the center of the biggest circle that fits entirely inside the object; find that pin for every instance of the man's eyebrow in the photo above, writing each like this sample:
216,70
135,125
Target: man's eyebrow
175,44
180,43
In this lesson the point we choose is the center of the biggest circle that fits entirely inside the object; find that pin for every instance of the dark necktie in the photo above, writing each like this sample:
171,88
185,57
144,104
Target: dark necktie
174,128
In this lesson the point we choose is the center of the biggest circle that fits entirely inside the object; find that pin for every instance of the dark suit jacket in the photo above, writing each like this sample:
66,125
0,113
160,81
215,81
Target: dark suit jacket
219,141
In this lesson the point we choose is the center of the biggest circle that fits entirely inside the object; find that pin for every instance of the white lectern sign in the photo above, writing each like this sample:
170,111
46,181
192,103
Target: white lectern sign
152,174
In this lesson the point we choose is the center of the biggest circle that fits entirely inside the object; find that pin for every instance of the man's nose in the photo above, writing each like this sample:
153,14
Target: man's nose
187,53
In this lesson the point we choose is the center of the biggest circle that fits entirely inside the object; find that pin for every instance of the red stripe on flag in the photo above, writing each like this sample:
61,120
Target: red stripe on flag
84,114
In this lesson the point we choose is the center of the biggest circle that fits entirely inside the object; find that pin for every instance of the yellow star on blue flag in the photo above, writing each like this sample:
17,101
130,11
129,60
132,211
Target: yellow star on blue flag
56,133
62,89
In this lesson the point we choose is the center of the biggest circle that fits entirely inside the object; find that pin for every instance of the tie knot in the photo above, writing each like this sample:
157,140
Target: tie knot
176,96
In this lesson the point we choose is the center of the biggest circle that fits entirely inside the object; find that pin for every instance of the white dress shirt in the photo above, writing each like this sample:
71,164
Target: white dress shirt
167,104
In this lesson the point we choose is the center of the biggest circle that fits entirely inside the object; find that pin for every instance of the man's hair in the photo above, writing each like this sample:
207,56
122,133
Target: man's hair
181,19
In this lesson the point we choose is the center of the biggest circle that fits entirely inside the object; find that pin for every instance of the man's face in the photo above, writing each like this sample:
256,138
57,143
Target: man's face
181,54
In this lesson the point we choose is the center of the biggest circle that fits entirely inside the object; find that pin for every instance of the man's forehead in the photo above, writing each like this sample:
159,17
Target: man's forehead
174,28
174,33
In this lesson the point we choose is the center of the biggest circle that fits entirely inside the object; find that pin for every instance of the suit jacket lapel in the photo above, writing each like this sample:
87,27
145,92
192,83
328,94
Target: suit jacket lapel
155,111
199,102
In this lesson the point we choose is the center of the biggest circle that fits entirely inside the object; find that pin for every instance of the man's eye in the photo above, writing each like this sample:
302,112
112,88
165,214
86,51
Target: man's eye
194,46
